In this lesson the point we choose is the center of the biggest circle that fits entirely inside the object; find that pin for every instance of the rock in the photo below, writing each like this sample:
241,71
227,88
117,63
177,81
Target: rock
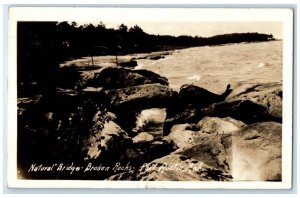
187,107
184,137
155,57
213,150
176,167
188,115
130,63
114,78
140,97
267,95
180,127
92,89
145,151
104,134
191,94
152,77
160,148
244,110
219,125
143,137
93,94
256,152
193,127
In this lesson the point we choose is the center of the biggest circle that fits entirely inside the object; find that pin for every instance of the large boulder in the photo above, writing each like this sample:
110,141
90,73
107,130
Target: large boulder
267,95
181,136
219,125
191,94
188,135
114,78
257,152
103,135
212,149
244,110
140,97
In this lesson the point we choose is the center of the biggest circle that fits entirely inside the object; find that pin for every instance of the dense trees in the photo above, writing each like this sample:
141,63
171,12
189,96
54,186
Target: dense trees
43,45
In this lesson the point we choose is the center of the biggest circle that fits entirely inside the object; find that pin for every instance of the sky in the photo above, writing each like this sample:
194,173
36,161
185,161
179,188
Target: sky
203,29
202,22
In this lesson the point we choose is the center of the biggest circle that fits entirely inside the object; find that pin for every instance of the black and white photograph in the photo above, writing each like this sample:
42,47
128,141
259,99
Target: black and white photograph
150,97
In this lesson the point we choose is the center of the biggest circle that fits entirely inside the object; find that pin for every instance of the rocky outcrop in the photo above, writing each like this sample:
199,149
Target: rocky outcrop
262,102
207,136
252,152
114,78
127,92
211,143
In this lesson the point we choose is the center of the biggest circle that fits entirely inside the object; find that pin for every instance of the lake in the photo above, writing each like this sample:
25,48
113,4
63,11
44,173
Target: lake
213,67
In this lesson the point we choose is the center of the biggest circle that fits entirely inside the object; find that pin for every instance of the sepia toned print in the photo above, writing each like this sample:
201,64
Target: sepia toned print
117,101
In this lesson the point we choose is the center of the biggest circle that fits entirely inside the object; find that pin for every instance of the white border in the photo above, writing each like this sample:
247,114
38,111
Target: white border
146,14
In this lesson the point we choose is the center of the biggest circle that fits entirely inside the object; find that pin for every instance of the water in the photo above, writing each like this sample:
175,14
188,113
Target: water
213,67
210,67
151,121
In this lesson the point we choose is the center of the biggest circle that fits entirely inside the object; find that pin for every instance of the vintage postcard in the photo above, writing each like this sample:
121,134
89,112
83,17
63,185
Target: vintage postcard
150,98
